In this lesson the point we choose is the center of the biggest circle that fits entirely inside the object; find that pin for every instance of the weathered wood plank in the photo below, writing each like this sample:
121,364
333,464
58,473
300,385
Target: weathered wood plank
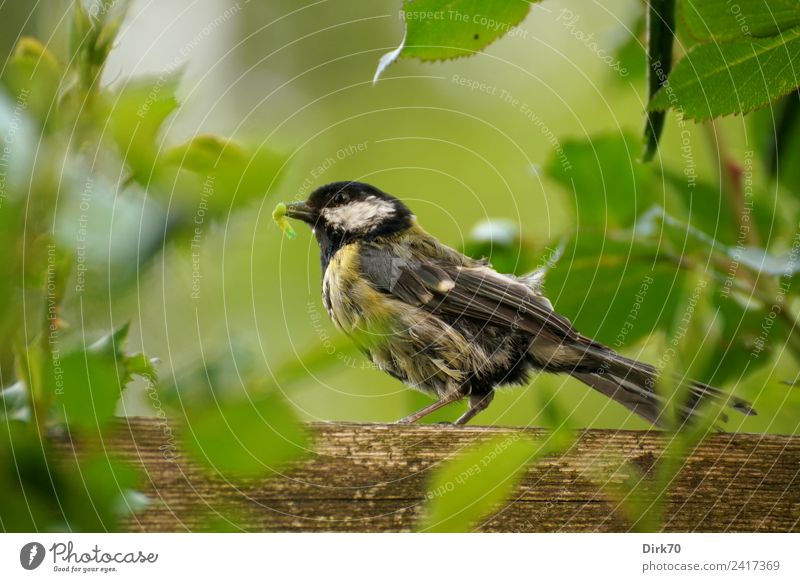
373,478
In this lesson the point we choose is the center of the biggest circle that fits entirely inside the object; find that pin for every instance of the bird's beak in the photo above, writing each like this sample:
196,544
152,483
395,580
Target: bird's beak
301,211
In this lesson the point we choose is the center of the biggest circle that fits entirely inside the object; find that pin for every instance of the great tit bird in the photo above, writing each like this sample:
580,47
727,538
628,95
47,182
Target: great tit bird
450,325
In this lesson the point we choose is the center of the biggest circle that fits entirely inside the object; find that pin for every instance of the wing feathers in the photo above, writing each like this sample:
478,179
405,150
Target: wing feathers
456,290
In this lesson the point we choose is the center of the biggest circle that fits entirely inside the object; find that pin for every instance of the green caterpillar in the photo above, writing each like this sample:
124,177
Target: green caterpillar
279,216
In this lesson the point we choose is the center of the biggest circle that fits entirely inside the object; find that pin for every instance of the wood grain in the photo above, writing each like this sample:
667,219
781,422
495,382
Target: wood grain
373,478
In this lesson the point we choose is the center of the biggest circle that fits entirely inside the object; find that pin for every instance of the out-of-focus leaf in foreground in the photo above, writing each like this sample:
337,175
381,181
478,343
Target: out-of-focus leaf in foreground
86,383
33,75
638,288
245,437
473,484
724,20
44,491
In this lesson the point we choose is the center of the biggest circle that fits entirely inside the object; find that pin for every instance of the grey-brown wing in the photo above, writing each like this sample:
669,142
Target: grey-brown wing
457,290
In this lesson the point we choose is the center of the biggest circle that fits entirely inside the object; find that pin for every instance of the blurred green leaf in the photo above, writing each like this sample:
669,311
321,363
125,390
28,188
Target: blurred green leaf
609,187
740,349
723,20
12,225
642,494
81,27
218,174
206,154
33,75
43,490
27,483
706,207
716,79
616,291
99,492
128,365
87,382
85,386
555,417
447,29
109,233
246,438
138,110
469,487
215,376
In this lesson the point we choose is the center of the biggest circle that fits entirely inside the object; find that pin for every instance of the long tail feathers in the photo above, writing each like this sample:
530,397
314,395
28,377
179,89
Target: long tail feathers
633,384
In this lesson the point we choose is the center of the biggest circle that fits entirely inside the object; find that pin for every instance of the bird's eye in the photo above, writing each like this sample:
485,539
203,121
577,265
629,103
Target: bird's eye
340,198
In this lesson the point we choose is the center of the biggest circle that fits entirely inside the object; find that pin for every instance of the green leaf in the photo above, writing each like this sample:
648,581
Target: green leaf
734,346
725,20
27,481
85,386
87,382
708,209
206,153
33,74
98,492
731,77
218,374
140,107
217,174
608,186
663,229
616,291
128,365
740,349
471,486
245,438
47,491
447,29
108,235
18,146
660,37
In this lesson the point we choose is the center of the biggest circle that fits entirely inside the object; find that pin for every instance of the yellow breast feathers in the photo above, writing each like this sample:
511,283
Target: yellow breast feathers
351,301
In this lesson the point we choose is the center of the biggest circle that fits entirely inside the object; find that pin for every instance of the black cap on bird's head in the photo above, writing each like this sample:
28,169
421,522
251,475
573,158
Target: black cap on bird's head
346,211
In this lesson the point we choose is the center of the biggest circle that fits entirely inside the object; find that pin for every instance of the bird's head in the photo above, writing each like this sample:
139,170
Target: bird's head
350,211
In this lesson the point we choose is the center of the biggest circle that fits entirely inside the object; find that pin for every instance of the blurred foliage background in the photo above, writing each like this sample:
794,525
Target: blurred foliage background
180,125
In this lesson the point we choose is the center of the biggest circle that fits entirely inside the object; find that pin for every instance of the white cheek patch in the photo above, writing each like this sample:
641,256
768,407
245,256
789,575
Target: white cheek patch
358,216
